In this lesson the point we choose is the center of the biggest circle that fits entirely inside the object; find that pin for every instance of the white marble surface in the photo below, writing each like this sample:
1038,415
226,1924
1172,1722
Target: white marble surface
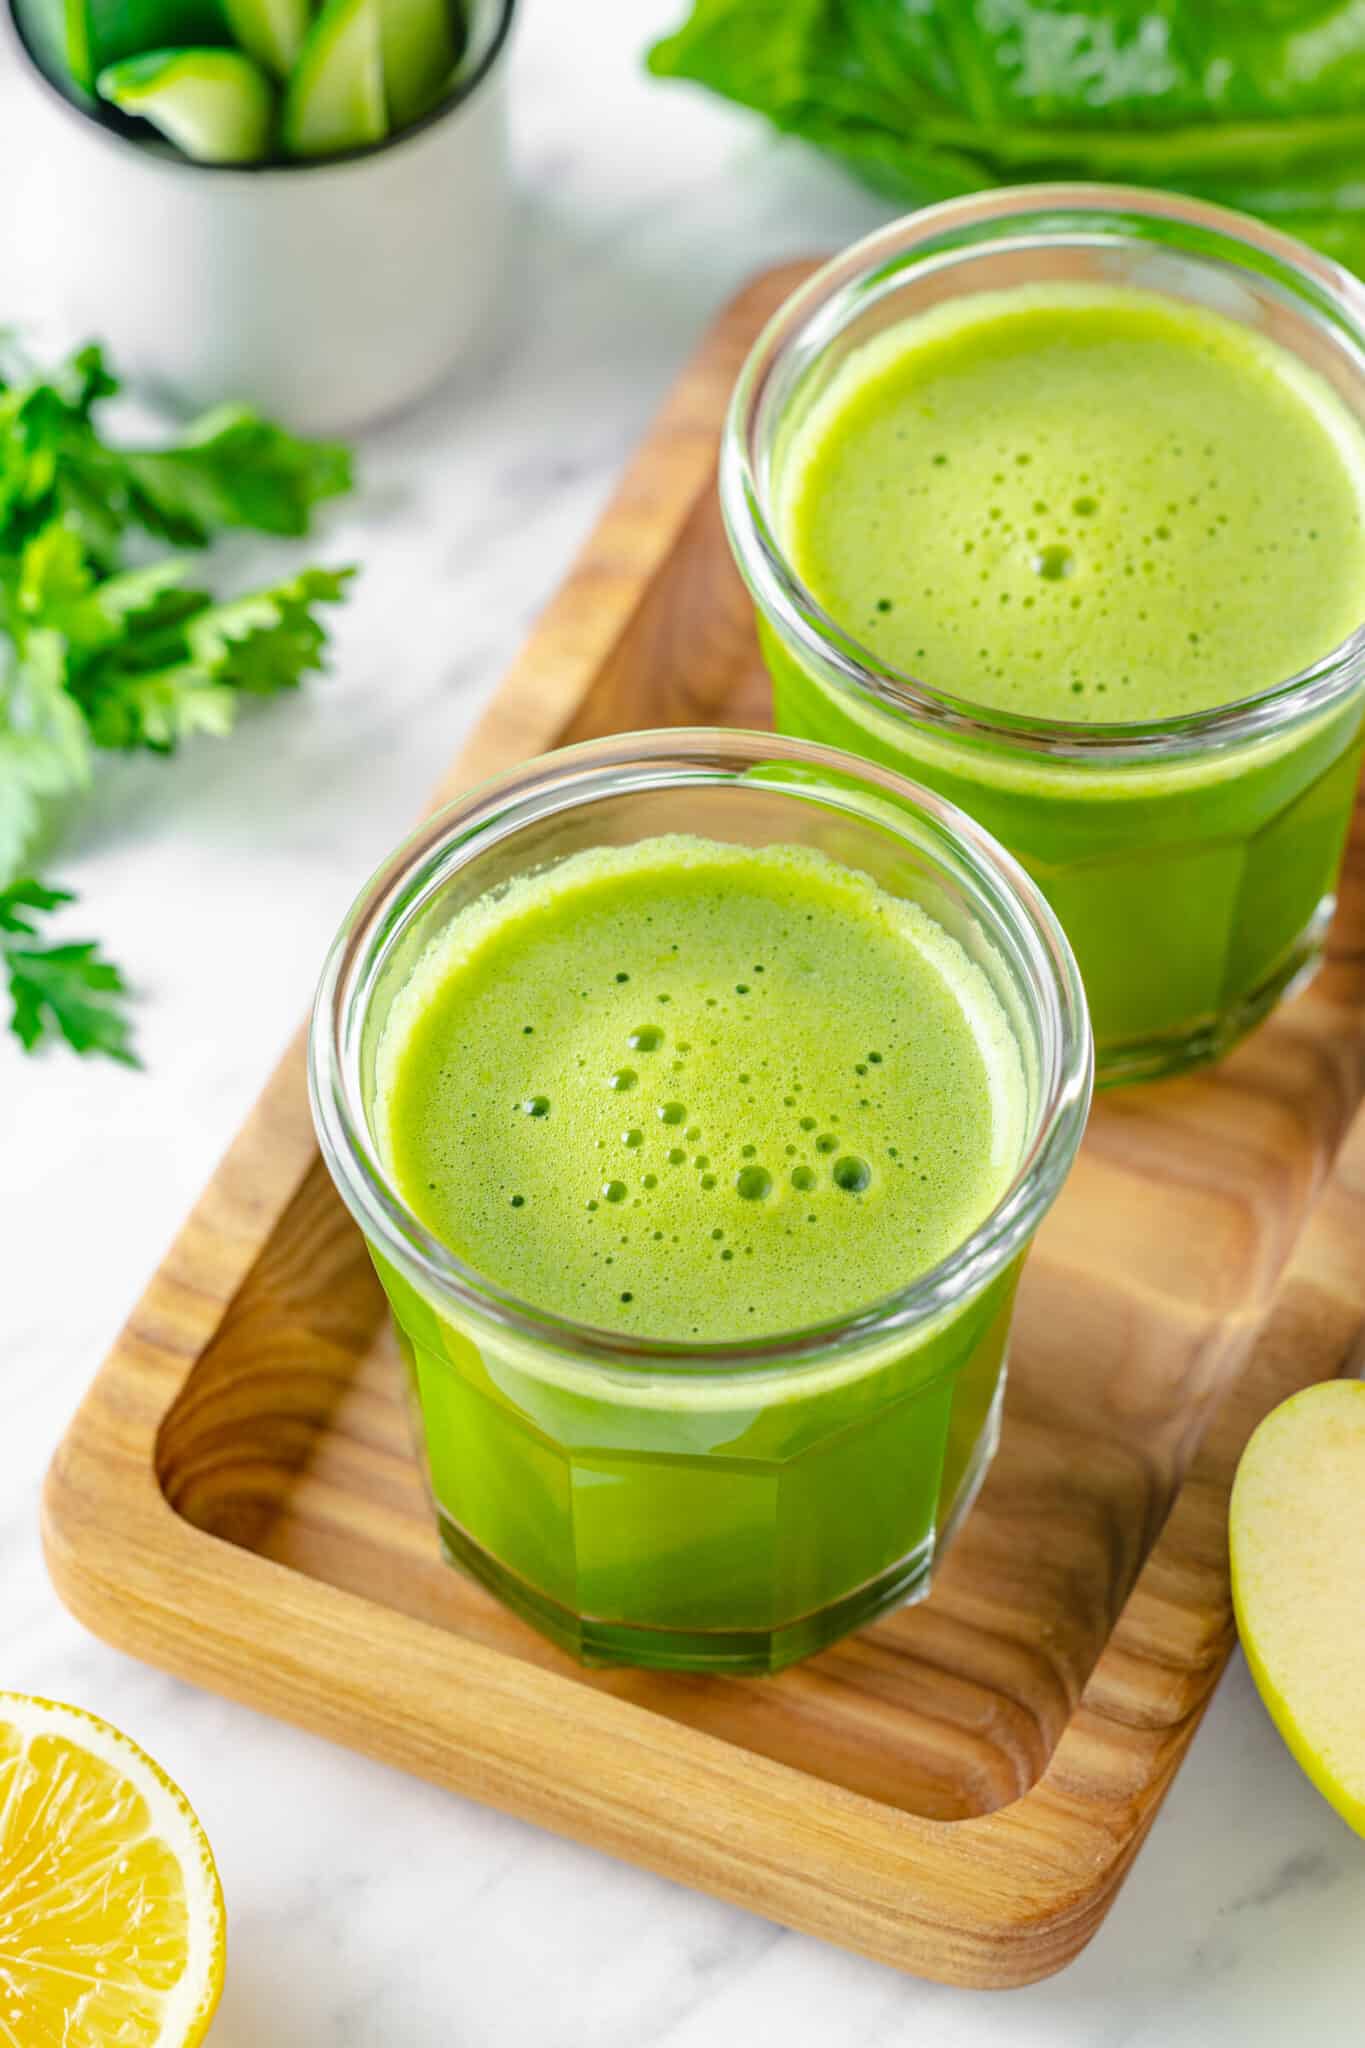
368,1910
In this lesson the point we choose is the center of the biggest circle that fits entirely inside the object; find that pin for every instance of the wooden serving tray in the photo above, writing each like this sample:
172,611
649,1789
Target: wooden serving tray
960,1789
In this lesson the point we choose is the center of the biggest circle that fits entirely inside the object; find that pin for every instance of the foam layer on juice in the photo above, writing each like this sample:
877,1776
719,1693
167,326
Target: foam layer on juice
1081,503
696,1091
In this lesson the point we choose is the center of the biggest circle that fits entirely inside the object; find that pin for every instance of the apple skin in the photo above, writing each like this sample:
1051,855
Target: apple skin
1296,1538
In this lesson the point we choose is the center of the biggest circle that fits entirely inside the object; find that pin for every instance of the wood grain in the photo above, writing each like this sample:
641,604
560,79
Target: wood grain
958,1790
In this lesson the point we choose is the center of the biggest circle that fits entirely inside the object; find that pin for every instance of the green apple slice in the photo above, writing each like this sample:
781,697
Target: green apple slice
335,97
418,46
271,31
1297,1540
216,105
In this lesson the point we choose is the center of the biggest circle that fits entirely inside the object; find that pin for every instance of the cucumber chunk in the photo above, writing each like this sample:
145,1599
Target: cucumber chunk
418,45
73,40
335,96
216,105
271,31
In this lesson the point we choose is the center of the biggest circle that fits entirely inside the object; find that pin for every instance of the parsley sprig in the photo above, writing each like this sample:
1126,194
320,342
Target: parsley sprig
59,991
99,653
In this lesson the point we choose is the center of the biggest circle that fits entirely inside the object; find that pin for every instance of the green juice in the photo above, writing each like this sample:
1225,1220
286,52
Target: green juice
1094,505
700,1094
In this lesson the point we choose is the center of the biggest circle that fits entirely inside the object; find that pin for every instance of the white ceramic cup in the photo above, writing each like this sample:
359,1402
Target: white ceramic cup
324,292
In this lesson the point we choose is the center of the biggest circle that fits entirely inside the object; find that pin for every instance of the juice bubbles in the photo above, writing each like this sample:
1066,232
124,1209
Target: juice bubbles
720,1156
686,1090
702,1093
1057,550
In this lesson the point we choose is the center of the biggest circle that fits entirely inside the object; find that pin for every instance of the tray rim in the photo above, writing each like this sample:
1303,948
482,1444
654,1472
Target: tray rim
998,1899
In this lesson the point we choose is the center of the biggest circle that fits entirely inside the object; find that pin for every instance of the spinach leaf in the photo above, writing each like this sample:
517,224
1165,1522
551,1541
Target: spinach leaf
1258,104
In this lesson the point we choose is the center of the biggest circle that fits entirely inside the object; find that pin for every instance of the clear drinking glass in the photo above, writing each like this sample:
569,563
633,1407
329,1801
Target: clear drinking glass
1191,860
727,1506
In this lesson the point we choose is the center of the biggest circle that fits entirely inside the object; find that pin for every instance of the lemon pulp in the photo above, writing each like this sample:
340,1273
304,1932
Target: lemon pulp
111,1913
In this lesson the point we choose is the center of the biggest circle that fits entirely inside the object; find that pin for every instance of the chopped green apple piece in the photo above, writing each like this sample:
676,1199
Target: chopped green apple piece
73,40
1297,1538
216,105
418,45
271,31
335,96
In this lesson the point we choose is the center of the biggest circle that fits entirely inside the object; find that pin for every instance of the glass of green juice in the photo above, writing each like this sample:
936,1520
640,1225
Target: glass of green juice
1053,499
698,1095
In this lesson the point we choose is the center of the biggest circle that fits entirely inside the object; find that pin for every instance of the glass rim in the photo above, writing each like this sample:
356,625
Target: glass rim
94,116
948,233
495,811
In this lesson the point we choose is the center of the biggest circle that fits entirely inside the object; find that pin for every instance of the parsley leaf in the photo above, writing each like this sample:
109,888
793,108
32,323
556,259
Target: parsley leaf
185,663
44,740
160,708
96,654
52,461
266,642
228,468
232,468
59,992
26,896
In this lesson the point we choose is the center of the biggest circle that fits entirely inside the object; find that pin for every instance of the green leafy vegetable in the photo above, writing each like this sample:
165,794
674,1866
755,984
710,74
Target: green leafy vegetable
65,992
233,469
95,655
229,468
44,743
185,664
1258,107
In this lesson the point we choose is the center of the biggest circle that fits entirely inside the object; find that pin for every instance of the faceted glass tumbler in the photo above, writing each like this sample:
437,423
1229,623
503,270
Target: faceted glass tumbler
709,1507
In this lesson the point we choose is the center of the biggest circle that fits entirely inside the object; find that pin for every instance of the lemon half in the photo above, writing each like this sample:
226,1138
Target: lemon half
112,1929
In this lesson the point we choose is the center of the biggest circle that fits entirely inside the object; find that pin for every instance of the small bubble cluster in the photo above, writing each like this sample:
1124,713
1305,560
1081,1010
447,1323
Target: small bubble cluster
1082,503
757,1170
